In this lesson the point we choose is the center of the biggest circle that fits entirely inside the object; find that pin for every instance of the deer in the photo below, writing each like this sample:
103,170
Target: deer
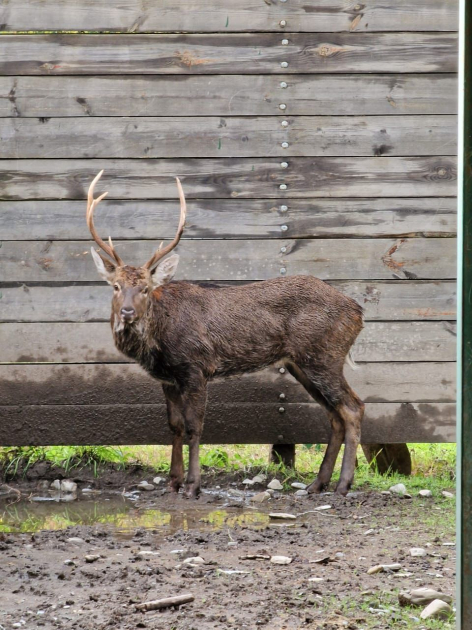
184,335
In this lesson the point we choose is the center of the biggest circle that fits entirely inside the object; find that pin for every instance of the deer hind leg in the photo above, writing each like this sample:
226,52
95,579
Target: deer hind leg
337,429
351,410
194,402
176,423
346,411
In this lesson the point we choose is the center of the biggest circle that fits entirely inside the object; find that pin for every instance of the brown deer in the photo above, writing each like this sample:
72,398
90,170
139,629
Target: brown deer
185,335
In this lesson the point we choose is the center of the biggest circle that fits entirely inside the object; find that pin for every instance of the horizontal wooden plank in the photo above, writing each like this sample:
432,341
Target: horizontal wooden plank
180,137
233,178
241,53
228,218
392,300
333,259
132,16
261,95
127,384
225,424
93,342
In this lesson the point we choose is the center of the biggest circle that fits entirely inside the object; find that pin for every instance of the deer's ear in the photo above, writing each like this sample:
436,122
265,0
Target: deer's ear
106,269
164,272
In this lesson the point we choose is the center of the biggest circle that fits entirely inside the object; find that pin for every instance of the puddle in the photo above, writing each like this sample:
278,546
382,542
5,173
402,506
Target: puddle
123,516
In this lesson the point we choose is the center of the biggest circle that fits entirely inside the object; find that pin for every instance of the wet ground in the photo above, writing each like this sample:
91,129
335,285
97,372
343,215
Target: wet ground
131,548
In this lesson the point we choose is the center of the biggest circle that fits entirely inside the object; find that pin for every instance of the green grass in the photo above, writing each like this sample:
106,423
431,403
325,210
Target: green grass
368,616
433,464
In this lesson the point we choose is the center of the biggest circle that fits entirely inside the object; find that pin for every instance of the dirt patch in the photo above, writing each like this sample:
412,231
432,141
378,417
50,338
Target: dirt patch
47,581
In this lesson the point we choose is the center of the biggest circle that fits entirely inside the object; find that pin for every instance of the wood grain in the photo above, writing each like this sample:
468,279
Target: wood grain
131,16
302,423
207,137
232,178
229,219
241,53
330,259
392,300
261,95
129,384
93,342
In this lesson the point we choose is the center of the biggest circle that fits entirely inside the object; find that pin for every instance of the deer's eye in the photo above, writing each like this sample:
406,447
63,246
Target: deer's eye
145,291
116,287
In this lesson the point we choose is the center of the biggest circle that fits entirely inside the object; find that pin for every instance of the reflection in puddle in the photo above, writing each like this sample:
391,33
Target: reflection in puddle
120,514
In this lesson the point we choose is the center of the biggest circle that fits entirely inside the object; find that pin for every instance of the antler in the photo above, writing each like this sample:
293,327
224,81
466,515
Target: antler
91,205
160,253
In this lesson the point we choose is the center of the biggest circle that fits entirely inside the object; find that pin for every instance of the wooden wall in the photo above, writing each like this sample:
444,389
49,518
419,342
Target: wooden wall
310,137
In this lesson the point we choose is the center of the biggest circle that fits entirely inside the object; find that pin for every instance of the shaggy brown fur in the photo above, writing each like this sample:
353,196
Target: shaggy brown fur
185,335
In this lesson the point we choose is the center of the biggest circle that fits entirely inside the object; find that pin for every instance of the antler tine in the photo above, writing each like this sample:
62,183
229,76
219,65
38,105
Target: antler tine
160,253
91,205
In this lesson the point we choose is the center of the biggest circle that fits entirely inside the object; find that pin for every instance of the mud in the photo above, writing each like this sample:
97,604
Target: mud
47,582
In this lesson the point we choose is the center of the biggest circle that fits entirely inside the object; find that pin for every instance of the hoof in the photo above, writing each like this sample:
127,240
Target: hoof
343,489
191,492
174,486
316,487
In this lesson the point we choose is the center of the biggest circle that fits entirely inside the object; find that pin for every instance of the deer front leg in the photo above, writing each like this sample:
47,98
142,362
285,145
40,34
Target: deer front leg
194,398
176,423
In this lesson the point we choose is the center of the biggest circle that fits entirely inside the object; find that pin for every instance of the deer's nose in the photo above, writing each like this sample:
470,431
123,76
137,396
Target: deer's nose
128,312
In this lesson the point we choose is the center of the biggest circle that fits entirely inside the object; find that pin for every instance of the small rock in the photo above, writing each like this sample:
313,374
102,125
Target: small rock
417,552
282,515
299,485
248,482
422,596
323,507
43,484
68,486
235,492
195,560
93,557
69,563
436,610
301,493
259,479
316,579
158,480
145,485
56,484
386,568
425,493
67,498
369,532
232,543
260,497
148,553
275,485
280,560
75,540
447,494
386,493
399,488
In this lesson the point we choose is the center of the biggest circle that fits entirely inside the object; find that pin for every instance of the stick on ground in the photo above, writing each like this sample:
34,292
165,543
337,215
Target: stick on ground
177,600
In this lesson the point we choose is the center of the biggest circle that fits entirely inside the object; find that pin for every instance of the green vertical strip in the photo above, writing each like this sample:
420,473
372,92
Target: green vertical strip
464,573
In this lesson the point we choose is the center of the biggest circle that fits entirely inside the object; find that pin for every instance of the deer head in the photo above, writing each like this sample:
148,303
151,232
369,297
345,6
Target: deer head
132,285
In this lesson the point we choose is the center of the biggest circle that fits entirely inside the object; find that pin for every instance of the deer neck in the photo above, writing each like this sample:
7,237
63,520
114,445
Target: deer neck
139,339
